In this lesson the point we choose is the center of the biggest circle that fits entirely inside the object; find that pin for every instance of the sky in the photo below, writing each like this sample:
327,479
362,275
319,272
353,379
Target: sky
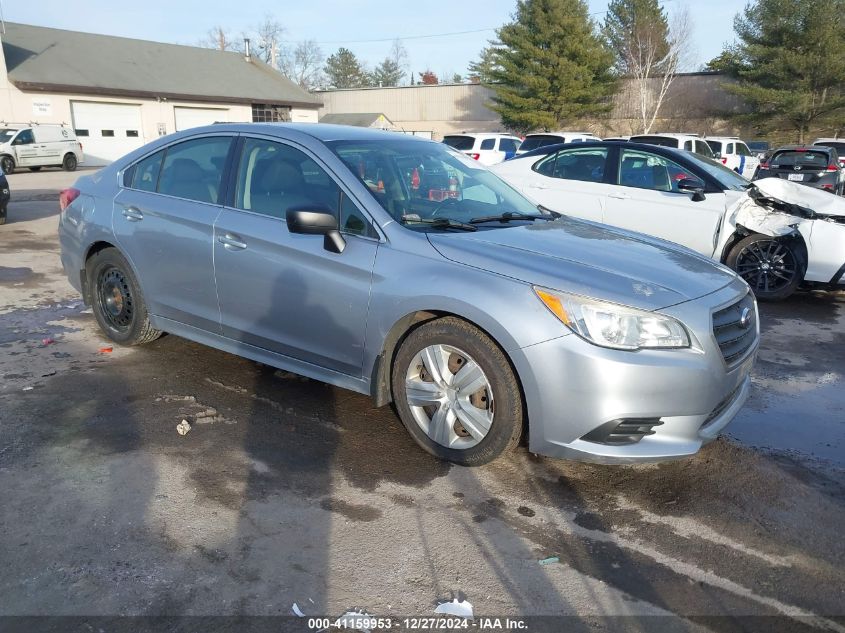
335,23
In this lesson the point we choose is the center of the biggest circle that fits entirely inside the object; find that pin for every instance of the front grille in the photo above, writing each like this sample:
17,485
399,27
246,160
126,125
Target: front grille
734,336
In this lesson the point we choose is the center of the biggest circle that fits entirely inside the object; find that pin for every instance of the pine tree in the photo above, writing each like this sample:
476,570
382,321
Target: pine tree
343,70
387,73
789,63
551,67
635,30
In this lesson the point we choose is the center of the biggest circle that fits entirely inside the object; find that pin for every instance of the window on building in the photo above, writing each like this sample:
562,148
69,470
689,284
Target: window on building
263,113
107,132
132,133
81,132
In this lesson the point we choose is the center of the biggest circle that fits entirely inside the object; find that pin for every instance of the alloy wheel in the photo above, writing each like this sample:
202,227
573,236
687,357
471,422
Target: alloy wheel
768,266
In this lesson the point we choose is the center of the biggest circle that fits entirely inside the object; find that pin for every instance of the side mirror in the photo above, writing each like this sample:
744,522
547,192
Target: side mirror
695,187
717,155
315,221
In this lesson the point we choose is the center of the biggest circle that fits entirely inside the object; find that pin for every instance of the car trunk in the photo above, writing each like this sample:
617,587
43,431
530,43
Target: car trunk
804,166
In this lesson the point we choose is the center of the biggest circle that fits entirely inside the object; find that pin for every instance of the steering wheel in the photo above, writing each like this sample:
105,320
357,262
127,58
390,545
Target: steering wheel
445,205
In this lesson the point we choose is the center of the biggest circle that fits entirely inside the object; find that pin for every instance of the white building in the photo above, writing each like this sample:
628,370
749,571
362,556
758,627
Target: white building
119,93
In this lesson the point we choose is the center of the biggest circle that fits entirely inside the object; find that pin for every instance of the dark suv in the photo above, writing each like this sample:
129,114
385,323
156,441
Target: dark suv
814,166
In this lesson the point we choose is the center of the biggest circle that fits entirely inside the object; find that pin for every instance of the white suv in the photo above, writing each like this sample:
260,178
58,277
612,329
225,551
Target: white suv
688,142
39,146
734,154
836,143
486,148
542,139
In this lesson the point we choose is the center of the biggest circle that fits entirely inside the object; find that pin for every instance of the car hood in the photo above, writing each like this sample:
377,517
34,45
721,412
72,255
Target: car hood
589,259
820,202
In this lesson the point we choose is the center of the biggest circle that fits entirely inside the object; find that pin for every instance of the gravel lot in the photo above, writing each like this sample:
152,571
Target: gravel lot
289,491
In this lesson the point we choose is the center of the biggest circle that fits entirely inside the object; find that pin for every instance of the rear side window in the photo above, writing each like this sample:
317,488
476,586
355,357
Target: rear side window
145,174
460,143
730,148
575,164
791,158
838,146
508,145
488,143
194,169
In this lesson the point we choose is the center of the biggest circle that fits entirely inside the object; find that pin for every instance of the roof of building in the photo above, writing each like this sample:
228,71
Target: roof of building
40,58
359,119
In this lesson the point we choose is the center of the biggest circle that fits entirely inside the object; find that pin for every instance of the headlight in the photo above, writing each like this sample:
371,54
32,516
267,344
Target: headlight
613,325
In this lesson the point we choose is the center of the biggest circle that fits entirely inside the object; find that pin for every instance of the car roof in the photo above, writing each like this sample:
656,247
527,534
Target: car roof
815,148
559,133
483,134
320,131
723,138
669,135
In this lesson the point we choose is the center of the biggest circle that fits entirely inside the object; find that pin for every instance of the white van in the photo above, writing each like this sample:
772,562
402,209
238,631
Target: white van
39,146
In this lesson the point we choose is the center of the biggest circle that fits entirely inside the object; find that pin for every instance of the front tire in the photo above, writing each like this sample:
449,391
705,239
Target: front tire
773,268
7,164
69,163
456,393
116,299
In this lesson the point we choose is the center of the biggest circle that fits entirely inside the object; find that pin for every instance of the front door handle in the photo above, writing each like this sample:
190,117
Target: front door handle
133,214
619,196
231,242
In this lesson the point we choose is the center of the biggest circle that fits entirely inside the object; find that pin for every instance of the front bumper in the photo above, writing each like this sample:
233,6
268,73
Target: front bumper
573,387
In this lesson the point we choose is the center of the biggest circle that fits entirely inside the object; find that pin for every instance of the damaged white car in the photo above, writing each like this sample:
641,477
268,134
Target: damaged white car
776,234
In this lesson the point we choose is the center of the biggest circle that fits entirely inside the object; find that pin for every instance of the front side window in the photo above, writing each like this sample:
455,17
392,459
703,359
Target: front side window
274,177
688,146
742,149
575,164
716,146
702,148
26,137
194,169
644,170
539,140
508,145
418,182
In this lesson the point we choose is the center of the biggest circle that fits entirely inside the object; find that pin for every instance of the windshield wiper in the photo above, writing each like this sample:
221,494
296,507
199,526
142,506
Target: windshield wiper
439,223
508,216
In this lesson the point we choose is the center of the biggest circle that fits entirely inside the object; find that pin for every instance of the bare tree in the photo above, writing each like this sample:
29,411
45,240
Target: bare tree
220,39
399,55
303,64
268,38
652,74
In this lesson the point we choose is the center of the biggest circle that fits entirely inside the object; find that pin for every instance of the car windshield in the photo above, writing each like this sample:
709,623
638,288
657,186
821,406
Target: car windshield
727,178
418,182
6,135
462,143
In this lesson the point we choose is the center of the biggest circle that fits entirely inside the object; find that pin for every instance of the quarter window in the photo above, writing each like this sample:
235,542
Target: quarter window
194,169
145,173
488,143
273,177
576,164
644,170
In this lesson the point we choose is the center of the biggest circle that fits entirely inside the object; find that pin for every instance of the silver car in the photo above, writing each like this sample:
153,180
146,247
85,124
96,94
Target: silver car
400,268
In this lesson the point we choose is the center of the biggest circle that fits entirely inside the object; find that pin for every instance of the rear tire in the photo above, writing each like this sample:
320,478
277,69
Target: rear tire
2,215
116,299
69,163
7,164
773,268
470,418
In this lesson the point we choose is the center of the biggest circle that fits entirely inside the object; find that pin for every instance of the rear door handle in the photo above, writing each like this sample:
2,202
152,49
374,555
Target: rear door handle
133,214
231,242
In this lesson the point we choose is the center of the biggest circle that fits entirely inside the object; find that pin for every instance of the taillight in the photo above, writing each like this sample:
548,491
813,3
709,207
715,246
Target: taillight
475,156
764,165
827,187
67,196
724,160
832,167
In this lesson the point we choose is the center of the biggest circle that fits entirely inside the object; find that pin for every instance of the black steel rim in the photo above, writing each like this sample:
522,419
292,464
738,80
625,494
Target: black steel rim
767,266
114,299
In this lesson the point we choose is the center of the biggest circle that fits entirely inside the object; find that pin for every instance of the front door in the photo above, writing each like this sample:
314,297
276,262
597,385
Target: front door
284,292
164,221
647,199
25,149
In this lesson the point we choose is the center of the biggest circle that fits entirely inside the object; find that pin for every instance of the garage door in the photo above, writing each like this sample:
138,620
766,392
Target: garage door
107,131
186,118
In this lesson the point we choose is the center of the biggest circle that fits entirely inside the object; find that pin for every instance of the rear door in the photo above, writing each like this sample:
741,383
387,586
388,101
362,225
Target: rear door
571,181
285,292
647,199
164,221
